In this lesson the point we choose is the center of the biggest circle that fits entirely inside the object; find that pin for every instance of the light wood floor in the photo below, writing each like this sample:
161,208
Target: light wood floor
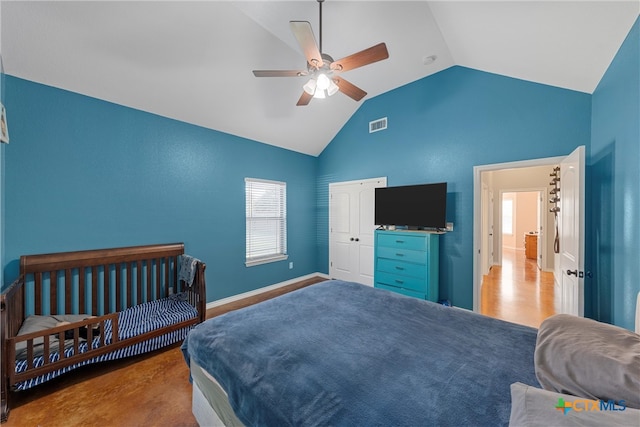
146,390
518,291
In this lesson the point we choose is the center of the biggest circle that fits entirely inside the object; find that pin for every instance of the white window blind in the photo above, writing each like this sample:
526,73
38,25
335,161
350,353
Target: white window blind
266,211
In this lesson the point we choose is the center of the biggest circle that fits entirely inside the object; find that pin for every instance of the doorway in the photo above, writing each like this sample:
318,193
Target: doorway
516,177
567,246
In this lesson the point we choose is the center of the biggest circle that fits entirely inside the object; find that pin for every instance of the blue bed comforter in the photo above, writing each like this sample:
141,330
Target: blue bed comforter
344,354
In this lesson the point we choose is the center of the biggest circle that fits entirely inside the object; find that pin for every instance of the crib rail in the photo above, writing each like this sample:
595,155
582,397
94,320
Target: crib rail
106,344
12,308
111,279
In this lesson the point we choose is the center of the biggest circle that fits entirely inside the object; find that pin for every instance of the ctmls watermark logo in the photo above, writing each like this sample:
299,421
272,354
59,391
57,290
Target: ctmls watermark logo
587,405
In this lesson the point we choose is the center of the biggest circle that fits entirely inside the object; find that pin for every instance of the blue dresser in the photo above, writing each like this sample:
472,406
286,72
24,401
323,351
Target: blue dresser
407,262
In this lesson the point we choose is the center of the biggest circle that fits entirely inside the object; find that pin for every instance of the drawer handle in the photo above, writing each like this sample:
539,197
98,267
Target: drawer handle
399,241
399,254
399,268
399,281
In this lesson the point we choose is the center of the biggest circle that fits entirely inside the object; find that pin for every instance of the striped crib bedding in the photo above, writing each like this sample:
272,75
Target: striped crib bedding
132,322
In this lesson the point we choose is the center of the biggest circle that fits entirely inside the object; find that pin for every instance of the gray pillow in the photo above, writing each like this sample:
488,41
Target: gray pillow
586,358
534,407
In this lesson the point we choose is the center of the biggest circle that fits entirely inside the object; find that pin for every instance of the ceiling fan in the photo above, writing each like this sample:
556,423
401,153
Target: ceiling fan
324,71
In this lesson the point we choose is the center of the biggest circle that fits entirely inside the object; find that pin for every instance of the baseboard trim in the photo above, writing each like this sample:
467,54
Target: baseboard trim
264,289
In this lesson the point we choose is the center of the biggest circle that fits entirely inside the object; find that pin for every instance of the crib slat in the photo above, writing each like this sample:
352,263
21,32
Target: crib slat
94,290
30,354
149,275
114,330
102,333
53,292
61,345
175,274
166,277
118,285
158,277
107,288
82,303
139,282
67,294
129,296
37,277
45,354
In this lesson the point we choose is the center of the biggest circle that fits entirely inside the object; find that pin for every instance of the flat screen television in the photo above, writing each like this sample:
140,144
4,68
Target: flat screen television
422,206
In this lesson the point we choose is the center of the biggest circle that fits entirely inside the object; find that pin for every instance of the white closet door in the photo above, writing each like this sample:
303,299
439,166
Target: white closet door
351,229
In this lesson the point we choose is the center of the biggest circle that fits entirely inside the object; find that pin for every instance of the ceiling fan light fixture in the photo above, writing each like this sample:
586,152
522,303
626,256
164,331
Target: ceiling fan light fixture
323,82
333,88
310,86
320,94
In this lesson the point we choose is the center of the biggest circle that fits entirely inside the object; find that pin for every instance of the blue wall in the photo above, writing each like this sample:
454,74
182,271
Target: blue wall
165,181
615,187
439,128
82,173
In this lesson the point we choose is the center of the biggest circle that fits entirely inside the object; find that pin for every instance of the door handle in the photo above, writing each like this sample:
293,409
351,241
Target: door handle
357,240
351,239
574,273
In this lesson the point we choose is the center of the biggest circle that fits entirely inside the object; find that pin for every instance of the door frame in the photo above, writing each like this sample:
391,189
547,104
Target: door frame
477,212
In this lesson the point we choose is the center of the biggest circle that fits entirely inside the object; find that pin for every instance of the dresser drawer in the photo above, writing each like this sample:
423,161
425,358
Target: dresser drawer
392,279
402,254
402,268
402,291
402,241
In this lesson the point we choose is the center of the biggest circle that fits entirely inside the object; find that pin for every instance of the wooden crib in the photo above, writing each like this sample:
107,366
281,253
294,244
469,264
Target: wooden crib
105,284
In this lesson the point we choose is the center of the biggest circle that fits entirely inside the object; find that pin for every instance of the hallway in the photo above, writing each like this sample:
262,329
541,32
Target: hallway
518,291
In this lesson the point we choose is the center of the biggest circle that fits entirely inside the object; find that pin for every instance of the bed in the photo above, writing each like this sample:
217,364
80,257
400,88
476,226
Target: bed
70,309
341,353
344,354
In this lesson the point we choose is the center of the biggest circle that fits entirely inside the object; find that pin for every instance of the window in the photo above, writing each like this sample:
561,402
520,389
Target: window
507,216
266,211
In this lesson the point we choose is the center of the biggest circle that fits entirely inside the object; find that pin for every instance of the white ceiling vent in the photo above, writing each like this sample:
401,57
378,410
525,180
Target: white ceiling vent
376,125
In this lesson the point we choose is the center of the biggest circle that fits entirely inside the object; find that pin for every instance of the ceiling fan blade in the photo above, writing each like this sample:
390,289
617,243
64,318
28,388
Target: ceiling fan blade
349,89
304,34
304,99
279,73
365,57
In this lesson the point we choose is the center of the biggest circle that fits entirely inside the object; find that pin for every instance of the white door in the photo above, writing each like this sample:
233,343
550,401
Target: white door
351,229
571,230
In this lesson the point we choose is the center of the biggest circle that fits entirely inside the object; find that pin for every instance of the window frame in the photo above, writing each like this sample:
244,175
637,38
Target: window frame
280,235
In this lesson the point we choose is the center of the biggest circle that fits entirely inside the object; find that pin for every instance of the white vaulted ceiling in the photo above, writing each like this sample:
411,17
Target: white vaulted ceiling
193,61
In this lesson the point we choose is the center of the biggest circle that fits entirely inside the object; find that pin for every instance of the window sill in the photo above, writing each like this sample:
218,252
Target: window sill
265,260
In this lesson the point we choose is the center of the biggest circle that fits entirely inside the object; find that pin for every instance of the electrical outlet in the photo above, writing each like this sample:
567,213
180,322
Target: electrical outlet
291,265
449,226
